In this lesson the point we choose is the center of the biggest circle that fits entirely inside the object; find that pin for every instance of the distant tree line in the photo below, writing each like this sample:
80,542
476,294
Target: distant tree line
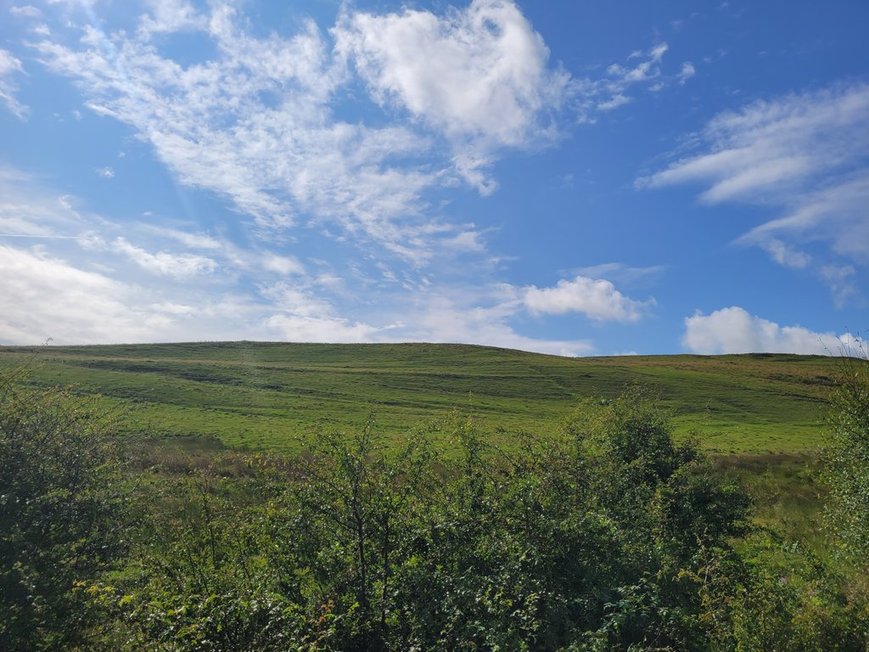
608,537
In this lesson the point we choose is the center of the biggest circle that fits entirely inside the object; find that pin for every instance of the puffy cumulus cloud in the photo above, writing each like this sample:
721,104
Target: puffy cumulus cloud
734,330
481,77
480,73
804,156
9,68
484,314
597,299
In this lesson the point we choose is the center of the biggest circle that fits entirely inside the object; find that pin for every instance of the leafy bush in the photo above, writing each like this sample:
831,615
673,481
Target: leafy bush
609,537
60,512
847,460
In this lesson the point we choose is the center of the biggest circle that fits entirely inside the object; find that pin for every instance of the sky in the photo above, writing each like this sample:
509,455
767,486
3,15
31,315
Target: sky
576,178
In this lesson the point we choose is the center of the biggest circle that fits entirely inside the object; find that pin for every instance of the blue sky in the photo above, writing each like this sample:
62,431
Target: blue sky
566,177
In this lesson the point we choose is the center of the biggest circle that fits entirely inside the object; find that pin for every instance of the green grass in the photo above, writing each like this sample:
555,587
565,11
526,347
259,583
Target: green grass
263,395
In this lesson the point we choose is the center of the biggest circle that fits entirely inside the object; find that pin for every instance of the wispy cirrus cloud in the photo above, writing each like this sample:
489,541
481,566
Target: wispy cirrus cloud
643,70
27,11
261,120
254,124
254,119
10,67
76,277
805,157
735,330
178,265
622,274
47,295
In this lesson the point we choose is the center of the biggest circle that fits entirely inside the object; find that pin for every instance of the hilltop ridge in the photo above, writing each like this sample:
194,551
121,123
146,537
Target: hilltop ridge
259,394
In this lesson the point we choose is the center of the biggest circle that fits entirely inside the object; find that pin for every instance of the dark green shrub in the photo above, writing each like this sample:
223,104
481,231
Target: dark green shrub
60,517
847,461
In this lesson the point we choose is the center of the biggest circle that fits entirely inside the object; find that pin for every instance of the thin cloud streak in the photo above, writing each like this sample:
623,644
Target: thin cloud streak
9,68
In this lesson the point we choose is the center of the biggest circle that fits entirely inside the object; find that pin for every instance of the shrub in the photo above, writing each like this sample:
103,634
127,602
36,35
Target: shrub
847,460
60,514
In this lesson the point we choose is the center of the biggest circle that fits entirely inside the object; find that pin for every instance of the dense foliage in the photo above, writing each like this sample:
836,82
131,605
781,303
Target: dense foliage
608,537
847,463
59,517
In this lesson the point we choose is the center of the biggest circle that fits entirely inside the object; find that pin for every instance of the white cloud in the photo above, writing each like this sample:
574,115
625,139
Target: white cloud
254,124
255,121
88,289
465,241
643,70
597,299
687,72
173,308
192,240
621,273
298,328
614,102
837,214
477,317
9,67
176,265
28,11
43,297
734,330
282,264
786,255
301,316
106,173
840,279
480,75
171,16
804,156
28,208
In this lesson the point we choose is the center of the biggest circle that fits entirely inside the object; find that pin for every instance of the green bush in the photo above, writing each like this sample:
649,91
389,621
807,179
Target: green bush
847,461
60,517
609,537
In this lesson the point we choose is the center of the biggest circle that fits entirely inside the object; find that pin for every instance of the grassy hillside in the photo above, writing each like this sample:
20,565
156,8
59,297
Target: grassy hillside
260,395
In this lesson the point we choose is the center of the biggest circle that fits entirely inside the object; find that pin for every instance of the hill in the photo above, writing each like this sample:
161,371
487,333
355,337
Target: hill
259,395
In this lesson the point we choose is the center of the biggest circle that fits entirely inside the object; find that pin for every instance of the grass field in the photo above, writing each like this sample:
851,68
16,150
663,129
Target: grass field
263,395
